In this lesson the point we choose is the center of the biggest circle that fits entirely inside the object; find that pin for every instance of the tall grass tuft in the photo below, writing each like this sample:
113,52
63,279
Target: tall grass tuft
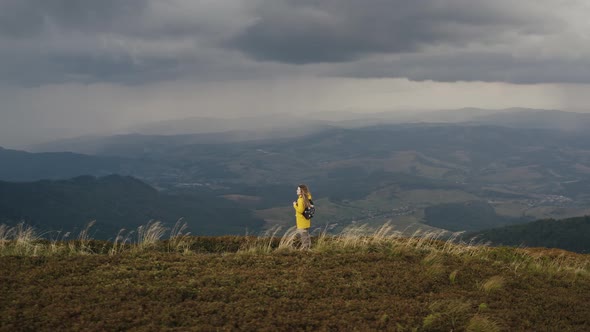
25,240
83,244
263,244
57,243
149,235
4,235
479,323
493,284
120,243
287,241
179,237
322,241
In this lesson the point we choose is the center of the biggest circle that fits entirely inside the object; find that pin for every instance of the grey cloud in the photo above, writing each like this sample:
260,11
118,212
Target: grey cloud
150,19
138,41
47,41
307,31
20,18
130,41
120,69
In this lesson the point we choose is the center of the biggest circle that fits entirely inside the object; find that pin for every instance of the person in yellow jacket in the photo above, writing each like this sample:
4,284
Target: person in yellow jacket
303,224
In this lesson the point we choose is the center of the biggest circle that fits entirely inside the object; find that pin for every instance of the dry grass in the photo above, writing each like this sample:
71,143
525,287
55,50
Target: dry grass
447,315
23,240
179,237
82,246
19,240
120,243
149,235
482,324
361,279
493,284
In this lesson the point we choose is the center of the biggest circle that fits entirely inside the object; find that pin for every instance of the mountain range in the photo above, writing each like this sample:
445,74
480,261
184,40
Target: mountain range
197,130
466,170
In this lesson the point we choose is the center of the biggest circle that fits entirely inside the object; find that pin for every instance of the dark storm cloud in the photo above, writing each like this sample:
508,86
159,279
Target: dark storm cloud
48,41
309,31
21,18
125,41
139,41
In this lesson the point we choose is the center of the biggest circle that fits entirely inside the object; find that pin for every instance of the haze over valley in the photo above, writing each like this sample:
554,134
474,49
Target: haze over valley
471,170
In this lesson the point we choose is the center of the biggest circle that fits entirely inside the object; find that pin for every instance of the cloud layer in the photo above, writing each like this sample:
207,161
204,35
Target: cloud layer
138,41
299,32
74,67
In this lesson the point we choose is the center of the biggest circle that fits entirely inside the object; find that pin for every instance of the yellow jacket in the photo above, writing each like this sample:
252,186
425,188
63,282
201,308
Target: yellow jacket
299,207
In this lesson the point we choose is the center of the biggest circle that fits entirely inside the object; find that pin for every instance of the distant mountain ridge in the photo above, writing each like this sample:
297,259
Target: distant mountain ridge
529,118
25,166
127,145
203,130
193,130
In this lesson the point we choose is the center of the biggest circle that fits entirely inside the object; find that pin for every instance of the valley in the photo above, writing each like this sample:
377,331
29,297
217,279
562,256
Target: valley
427,176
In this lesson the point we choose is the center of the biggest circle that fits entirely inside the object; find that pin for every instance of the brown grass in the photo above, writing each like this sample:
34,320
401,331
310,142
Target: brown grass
363,279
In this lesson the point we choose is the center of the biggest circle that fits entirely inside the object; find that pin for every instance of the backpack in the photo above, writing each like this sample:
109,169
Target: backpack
309,211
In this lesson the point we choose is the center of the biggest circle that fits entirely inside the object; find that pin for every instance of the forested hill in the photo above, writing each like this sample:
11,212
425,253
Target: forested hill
570,234
116,202
24,166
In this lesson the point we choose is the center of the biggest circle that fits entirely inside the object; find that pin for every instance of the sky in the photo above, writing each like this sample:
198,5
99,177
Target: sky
78,67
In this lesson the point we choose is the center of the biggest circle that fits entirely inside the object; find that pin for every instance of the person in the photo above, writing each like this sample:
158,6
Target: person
303,224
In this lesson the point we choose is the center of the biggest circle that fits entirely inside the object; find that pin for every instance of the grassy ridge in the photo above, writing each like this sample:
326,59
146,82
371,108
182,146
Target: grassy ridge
359,280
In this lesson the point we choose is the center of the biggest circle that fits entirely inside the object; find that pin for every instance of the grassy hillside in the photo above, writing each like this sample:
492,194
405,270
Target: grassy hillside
571,234
116,202
359,280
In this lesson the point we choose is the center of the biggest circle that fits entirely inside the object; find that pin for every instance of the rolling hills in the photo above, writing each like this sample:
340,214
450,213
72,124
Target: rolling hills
18,165
418,175
571,234
116,202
